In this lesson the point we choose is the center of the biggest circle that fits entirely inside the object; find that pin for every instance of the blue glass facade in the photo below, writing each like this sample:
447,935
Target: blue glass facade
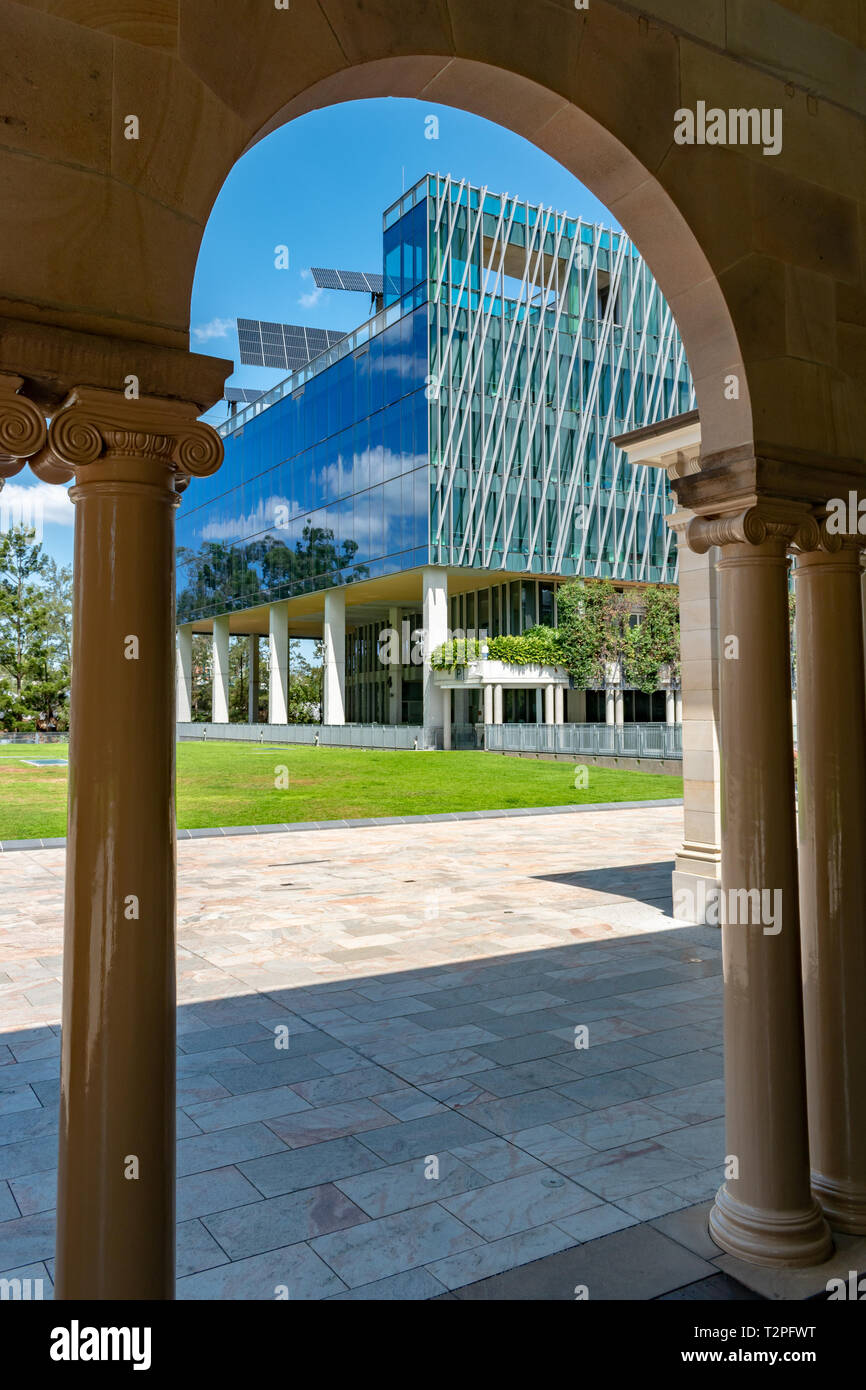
327,486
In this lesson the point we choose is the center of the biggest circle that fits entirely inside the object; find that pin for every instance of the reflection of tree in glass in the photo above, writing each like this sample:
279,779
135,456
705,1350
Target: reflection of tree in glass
220,578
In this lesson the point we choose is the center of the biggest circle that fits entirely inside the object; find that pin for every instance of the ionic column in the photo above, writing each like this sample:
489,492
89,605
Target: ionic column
832,819
334,675
184,674
115,1203
220,664
278,663
765,1212
253,693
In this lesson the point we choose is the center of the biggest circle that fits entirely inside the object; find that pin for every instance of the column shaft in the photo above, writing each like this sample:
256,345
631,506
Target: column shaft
497,704
335,657
434,584
558,704
549,715
765,1212
832,773
220,695
253,663
184,674
446,719
278,663
115,1230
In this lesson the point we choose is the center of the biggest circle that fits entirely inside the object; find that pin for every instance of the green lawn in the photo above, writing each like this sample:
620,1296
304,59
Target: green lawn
235,784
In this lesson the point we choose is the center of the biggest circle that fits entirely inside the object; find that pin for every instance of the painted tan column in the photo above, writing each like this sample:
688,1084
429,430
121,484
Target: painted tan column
765,1212
832,818
115,1203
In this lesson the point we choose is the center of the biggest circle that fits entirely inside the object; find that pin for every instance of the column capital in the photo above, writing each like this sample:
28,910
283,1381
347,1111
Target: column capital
22,426
786,522
95,425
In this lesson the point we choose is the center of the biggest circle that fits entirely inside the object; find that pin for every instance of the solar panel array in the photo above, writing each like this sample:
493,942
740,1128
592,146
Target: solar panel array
327,279
284,345
241,394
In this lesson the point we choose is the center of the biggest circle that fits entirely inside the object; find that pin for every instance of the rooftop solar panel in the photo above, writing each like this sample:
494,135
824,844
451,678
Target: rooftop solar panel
284,345
241,394
357,280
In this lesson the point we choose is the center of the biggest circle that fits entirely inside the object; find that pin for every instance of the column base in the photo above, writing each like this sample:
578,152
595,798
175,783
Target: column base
844,1204
784,1238
696,898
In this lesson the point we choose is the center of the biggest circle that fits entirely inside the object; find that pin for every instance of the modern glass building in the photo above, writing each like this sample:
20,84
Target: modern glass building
449,462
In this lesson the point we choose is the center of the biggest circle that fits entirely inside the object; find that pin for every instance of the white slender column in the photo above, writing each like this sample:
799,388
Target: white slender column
395,670
446,719
220,695
619,705
253,664
184,674
278,666
549,715
558,705
497,704
488,704
335,656
670,706
434,583
609,705
678,707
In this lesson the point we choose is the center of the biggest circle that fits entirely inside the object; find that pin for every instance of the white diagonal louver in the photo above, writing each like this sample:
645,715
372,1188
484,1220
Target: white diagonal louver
548,336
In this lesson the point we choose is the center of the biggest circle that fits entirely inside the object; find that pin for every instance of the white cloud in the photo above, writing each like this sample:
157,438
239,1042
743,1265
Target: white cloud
312,297
217,328
36,506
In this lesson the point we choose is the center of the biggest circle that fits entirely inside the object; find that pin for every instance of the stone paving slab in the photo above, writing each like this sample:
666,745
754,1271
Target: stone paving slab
380,1095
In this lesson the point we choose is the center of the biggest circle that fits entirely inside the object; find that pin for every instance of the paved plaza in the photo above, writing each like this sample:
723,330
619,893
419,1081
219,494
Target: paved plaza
445,1059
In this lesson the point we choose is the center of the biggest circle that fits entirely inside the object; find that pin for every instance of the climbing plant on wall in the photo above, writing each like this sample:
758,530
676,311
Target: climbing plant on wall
655,642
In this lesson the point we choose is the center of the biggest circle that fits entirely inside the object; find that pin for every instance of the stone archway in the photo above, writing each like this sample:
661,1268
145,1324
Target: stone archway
119,133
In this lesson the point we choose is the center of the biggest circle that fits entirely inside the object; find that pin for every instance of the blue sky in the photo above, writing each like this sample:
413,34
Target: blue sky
319,187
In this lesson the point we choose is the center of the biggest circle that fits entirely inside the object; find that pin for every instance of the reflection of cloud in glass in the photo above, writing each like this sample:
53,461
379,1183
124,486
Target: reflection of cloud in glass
263,518
371,467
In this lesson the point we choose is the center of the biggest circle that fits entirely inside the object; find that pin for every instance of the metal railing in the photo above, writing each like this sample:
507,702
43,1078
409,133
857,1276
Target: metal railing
611,740
398,736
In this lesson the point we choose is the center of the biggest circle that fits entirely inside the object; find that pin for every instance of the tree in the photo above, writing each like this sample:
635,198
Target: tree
305,685
35,617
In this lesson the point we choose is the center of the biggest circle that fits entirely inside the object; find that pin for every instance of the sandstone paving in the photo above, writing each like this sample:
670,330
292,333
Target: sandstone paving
414,1061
